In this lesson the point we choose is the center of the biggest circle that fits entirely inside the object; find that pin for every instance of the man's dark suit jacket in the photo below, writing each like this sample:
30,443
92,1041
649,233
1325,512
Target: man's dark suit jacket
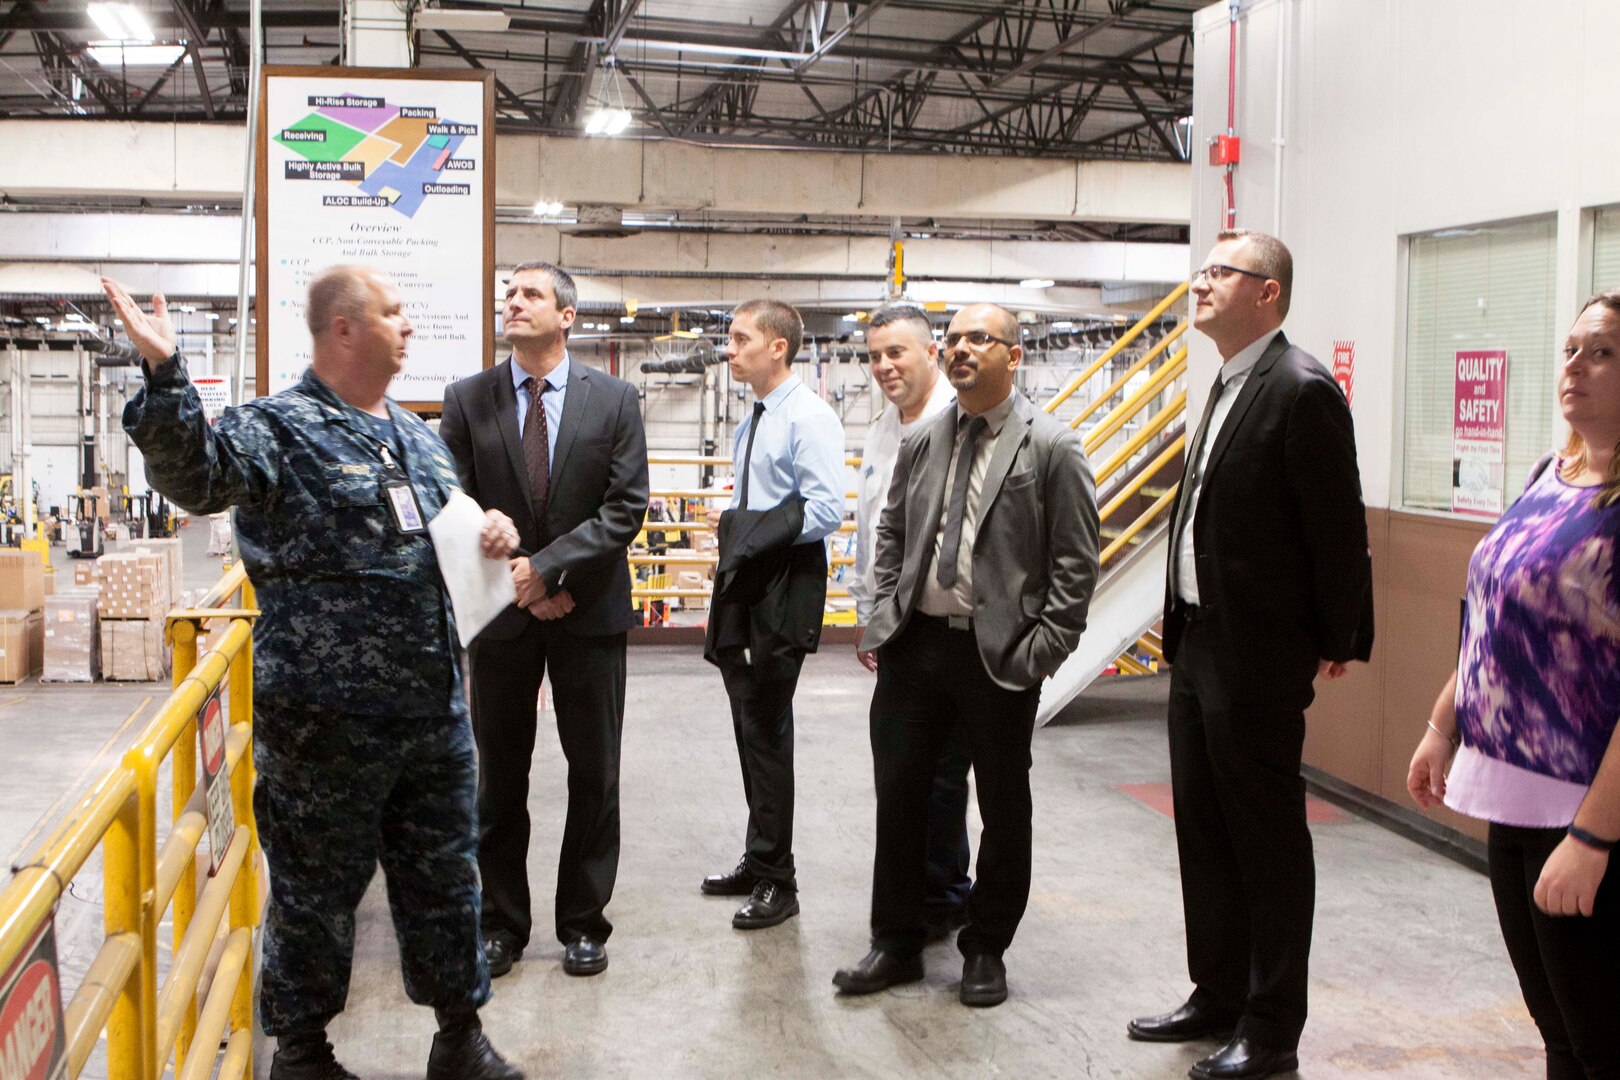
768,596
1280,536
598,493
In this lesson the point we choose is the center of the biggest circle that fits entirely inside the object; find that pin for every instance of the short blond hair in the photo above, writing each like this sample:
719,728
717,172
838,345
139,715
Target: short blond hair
1272,258
345,290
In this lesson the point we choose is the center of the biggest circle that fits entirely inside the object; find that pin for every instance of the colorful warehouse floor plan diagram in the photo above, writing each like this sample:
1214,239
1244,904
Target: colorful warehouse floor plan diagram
399,156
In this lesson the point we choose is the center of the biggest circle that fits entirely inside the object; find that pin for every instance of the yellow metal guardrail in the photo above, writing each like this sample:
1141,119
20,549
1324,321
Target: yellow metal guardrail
147,1025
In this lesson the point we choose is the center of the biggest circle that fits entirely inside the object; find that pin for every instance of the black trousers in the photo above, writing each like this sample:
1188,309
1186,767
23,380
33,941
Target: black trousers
949,855
587,678
930,682
762,721
1248,874
1569,966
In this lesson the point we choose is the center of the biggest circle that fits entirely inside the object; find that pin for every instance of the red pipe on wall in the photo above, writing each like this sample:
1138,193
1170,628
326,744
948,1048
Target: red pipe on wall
1231,109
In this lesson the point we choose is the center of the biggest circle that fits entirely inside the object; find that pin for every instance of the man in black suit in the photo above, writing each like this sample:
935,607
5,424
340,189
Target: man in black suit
1269,587
986,561
560,448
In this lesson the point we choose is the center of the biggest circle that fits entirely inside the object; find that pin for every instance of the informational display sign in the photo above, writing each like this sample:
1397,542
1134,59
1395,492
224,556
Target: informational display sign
388,169
1479,432
216,782
1344,368
32,1043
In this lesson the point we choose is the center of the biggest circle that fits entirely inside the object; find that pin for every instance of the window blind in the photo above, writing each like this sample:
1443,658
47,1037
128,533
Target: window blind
1489,287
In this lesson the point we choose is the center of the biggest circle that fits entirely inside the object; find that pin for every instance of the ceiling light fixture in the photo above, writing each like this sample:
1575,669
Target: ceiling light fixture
721,50
113,54
121,22
489,22
547,208
609,117
1036,283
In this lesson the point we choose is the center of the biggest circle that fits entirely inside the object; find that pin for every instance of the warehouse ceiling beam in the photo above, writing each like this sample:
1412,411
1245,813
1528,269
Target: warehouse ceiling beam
196,33
501,88
1120,7
855,17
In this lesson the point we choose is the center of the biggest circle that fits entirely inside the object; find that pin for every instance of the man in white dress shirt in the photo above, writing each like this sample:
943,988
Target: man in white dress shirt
905,367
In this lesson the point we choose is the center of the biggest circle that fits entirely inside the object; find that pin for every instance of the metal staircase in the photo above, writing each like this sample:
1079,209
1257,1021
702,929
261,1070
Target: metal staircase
1135,435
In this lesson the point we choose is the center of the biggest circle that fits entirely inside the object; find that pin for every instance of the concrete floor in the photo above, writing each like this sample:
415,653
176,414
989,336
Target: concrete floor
1409,975
1409,980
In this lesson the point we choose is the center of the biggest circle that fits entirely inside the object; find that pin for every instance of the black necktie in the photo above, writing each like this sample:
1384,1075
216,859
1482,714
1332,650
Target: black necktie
748,454
950,548
537,450
1194,475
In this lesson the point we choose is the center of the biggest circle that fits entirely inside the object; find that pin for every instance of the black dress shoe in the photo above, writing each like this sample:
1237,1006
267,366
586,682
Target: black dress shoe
879,970
769,904
984,981
467,1055
501,954
307,1059
1182,1025
737,882
1241,1059
585,956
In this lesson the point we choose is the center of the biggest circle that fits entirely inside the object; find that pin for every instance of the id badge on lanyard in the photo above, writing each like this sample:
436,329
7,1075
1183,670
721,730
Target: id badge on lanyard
401,495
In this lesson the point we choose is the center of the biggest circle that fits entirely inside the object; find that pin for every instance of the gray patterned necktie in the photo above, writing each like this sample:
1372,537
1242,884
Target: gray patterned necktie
949,550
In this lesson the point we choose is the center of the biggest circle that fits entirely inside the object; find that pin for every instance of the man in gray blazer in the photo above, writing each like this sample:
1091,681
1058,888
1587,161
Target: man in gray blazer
986,562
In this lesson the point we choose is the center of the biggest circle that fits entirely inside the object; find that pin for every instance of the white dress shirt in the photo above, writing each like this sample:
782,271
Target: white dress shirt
883,437
1233,375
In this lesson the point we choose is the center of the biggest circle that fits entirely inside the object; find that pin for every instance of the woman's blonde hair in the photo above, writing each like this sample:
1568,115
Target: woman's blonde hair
1573,461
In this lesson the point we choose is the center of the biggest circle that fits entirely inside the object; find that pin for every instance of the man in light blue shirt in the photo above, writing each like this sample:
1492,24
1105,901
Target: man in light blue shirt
770,590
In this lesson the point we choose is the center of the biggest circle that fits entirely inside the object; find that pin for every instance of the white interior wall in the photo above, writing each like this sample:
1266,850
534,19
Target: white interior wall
1403,116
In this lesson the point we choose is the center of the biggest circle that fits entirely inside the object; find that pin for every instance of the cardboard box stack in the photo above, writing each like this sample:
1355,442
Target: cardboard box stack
135,592
133,650
22,598
84,572
21,644
72,641
170,550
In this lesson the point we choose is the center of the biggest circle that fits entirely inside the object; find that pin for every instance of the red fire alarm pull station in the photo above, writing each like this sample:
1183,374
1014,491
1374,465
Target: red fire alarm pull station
1225,150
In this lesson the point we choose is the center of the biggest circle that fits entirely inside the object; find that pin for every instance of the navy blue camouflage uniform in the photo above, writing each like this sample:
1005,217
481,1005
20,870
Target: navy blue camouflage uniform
361,735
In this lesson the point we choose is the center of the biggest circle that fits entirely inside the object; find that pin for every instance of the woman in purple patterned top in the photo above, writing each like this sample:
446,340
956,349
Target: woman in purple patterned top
1531,716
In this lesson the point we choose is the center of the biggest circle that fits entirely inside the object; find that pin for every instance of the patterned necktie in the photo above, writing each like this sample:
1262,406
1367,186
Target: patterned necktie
748,454
537,450
950,549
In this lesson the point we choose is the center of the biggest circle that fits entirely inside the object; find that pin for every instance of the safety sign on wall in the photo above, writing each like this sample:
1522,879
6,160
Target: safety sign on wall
214,391
392,170
32,1043
1344,368
1479,432
216,781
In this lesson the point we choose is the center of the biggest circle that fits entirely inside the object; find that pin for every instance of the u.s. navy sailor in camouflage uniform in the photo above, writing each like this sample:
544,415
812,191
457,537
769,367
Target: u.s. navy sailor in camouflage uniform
362,740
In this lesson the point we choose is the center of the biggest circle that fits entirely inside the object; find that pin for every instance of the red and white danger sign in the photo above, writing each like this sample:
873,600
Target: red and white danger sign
32,1045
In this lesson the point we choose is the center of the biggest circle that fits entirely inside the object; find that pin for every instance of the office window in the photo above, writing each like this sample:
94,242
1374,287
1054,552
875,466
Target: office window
1605,250
1483,288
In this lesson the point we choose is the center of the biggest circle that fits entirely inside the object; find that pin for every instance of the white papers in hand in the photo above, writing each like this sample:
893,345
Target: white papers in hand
479,588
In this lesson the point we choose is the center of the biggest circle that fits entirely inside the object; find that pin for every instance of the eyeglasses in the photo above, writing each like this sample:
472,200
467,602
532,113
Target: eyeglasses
976,338
1217,271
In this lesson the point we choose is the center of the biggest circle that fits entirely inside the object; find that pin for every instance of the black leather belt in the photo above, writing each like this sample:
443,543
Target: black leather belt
951,622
